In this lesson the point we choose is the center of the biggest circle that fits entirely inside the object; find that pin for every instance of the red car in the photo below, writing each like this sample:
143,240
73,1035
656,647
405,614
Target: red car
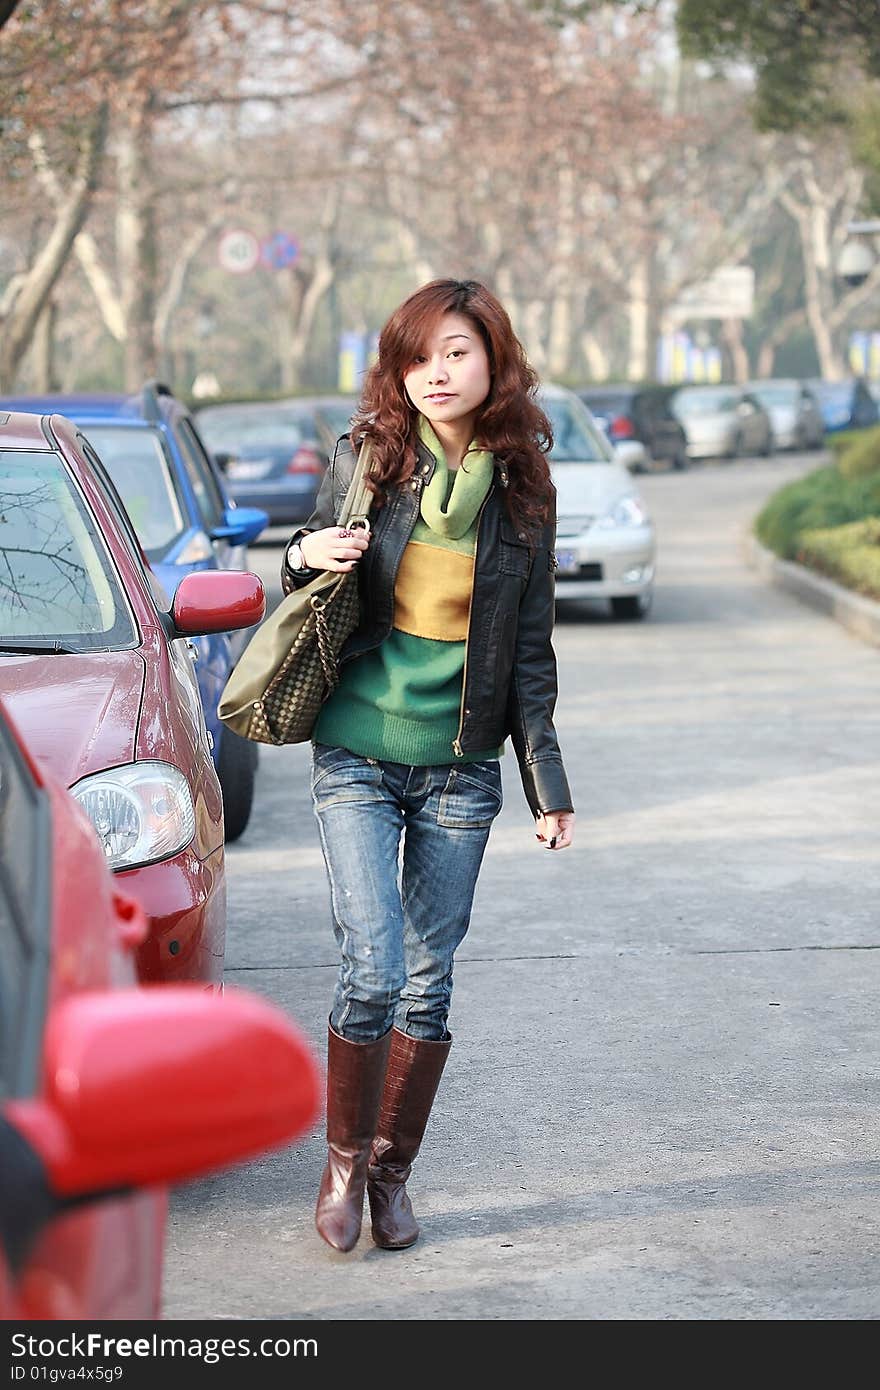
100,679
110,1091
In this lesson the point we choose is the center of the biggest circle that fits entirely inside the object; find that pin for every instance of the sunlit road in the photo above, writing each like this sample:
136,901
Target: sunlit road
661,1100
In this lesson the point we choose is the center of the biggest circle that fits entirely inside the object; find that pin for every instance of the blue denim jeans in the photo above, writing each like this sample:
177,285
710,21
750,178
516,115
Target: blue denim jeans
399,914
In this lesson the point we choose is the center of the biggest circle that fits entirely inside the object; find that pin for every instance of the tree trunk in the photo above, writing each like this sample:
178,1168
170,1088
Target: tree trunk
45,378
170,298
412,252
773,341
732,334
595,356
85,248
34,288
291,289
304,293
300,328
508,296
811,220
561,278
643,317
533,315
830,363
136,248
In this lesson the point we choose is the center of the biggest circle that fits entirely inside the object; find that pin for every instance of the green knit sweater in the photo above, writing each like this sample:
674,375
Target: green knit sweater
402,701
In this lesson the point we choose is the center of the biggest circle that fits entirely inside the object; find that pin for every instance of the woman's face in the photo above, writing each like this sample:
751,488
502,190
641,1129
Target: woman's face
450,379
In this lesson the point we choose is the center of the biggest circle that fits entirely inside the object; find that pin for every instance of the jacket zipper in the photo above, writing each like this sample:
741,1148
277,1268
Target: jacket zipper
456,742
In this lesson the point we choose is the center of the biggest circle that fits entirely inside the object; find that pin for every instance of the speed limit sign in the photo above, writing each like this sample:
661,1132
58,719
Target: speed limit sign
238,251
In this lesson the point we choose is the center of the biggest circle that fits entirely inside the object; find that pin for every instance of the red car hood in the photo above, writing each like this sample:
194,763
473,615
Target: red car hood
78,714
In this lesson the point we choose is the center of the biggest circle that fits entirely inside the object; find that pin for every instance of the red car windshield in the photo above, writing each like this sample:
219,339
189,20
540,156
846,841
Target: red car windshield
58,586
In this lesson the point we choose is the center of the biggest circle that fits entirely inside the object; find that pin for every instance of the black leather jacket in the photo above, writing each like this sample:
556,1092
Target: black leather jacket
510,666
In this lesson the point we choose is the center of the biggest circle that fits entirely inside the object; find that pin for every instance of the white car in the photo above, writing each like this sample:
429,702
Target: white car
605,540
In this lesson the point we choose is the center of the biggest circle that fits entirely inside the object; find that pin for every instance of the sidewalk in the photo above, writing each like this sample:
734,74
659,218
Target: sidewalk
860,615
661,1102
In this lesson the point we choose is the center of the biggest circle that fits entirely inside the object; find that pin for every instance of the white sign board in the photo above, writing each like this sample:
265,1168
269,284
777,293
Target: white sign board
238,251
729,293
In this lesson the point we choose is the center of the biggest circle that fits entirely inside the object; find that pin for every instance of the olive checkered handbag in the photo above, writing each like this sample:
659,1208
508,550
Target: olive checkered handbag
285,673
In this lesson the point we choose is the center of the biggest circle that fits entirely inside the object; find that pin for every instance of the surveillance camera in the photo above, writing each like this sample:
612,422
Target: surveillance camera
857,260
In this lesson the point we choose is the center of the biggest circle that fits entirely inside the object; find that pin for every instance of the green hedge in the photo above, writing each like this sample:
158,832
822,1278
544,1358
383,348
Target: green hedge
840,440
821,499
859,452
849,554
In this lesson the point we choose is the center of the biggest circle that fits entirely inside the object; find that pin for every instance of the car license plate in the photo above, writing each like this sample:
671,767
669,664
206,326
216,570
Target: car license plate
245,470
567,561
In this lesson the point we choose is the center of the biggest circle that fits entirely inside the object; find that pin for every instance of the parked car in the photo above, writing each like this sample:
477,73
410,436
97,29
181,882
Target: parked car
186,523
98,671
332,417
605,539
109,1092
639,414
794,412
845,405
274,453
723,421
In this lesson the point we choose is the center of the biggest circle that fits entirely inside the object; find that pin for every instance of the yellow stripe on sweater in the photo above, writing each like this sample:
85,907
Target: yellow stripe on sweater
432,596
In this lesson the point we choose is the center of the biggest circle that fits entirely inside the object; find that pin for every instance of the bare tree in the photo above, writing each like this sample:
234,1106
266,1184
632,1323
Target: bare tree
27,294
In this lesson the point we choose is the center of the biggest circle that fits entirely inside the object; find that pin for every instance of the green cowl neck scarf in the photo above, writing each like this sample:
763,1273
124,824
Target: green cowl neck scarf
454,517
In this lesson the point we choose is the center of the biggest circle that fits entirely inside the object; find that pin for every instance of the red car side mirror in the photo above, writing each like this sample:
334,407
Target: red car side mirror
159,1084
218,601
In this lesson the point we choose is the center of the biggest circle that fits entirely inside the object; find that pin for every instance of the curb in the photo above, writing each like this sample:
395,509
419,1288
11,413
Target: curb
857,614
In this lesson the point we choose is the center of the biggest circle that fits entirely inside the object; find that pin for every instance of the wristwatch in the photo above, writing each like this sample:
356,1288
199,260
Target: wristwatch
294,557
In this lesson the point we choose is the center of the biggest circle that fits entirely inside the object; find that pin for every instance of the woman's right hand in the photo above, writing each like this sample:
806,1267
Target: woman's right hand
334,548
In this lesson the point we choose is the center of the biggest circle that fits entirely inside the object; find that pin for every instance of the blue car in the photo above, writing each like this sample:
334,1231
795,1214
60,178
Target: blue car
845,405
185,521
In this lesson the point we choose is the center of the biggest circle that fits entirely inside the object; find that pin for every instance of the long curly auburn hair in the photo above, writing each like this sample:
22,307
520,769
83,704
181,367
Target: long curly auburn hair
509,423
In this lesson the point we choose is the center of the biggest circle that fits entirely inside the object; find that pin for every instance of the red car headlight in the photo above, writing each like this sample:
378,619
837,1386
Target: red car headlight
142,812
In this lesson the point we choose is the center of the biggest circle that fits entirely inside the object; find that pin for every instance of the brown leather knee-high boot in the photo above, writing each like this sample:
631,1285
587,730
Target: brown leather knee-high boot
411,1081
355,1077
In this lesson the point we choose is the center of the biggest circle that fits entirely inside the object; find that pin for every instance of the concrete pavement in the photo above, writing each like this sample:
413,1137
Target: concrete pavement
661,1102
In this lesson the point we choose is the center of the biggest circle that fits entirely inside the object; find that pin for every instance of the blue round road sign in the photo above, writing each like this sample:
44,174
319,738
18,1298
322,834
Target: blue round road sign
278,251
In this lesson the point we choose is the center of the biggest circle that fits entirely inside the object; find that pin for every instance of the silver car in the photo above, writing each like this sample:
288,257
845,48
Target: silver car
605,539
722,422
794,412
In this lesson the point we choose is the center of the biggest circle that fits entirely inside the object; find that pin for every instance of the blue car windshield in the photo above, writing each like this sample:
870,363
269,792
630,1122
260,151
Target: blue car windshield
145,481
832,392
57,581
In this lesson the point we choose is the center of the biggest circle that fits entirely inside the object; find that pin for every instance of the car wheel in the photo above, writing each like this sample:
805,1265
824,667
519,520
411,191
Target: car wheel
735,447
769,448
237,771
631,607
680,462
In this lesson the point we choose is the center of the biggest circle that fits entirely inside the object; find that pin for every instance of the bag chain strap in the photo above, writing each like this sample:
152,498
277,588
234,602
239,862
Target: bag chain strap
325,649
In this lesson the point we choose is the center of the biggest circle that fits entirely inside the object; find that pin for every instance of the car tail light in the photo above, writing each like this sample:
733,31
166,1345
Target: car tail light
306,460
621,427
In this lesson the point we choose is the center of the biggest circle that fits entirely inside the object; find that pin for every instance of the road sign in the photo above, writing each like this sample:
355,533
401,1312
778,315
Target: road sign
279,251
238,251
728,293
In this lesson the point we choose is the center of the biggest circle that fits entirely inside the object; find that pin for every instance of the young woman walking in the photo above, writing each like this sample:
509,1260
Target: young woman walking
453,654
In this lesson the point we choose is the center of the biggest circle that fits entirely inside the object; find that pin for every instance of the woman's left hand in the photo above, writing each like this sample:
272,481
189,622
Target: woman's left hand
555,829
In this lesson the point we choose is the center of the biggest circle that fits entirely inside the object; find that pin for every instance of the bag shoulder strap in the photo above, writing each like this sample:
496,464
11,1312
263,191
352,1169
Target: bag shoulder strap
356,506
